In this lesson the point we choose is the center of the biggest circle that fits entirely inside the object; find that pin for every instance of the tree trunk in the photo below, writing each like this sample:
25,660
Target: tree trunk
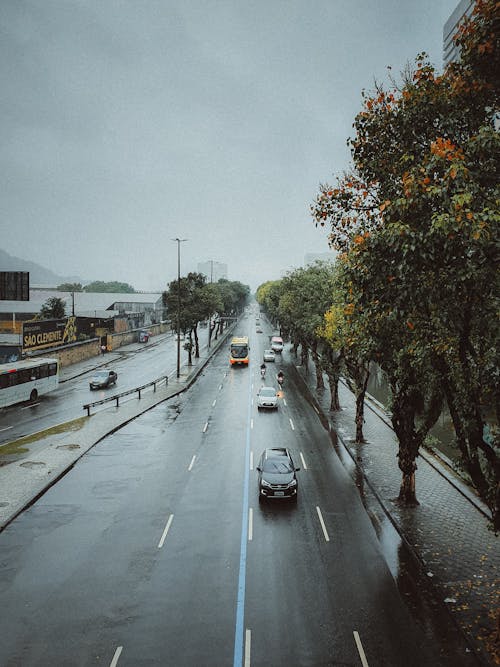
334,393
196,344
320,384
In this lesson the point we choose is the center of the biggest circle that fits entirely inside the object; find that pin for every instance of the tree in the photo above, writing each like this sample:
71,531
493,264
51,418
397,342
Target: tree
417,221
70,287
53,309
109,287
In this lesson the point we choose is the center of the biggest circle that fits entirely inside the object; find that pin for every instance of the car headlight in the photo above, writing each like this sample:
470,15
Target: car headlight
293,482
264,483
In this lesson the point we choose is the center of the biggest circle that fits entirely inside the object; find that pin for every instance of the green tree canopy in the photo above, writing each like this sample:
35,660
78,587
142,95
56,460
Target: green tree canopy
109,287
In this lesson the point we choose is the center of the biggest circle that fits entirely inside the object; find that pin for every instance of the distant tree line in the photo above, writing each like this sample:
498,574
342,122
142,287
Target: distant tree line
97,286
192,300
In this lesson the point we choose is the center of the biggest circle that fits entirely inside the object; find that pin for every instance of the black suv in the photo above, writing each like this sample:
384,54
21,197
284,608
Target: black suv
277,478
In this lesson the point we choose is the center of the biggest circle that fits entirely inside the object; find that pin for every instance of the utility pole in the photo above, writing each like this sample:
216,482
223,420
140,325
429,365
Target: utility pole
179,241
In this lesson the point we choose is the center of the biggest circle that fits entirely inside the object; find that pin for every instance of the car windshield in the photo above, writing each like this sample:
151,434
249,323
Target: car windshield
281,465
267,392
101,374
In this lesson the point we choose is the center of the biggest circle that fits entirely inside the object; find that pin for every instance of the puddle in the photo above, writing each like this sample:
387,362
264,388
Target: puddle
32,464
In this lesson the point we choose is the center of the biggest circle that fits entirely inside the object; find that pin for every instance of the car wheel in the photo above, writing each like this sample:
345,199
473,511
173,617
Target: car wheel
33,395
261,499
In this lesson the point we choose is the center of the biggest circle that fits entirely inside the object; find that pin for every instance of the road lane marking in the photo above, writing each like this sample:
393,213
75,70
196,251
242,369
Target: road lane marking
303,461
167,528
284,402
205,427
359,646
251,460
325,533
6,428
316,409
251,423
192,463
248,644
117,654
31,405
220,387
291,424
250,524
213,404
240,602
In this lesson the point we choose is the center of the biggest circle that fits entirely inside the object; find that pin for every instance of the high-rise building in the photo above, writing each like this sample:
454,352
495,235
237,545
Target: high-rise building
450,51
212,270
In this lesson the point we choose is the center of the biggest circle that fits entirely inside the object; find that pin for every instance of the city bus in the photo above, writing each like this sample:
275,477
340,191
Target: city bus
239,351
27,379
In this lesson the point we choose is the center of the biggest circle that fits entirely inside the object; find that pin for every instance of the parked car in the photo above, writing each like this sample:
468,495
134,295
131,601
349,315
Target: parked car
103,378
277,344
276,475
269,355
267,398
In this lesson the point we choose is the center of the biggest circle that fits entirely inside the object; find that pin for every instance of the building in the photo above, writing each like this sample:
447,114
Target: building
213,271
450,51
137,309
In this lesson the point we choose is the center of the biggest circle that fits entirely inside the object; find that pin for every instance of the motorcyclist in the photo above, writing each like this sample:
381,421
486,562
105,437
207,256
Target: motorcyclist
280,376
263,369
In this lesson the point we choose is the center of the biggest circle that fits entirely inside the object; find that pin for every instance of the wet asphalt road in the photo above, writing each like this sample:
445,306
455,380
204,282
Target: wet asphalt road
154,550
65,403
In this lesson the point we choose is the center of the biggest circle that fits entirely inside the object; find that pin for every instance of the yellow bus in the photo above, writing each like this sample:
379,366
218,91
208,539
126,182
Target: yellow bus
239,351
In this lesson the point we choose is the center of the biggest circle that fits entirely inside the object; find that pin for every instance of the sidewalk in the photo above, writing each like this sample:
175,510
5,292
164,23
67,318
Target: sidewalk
448,532
60,447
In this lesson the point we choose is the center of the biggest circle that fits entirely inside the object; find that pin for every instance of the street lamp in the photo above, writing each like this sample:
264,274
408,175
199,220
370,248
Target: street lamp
179,241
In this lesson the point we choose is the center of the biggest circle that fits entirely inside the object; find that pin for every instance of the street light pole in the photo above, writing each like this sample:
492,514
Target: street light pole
179,241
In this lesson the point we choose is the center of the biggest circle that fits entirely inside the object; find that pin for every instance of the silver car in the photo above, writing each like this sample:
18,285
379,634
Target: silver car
269,355
267,398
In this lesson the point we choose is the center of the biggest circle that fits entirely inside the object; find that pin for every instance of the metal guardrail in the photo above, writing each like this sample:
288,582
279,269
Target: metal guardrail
117,397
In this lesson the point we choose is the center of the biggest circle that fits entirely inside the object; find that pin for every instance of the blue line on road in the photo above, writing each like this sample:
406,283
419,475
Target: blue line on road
240,605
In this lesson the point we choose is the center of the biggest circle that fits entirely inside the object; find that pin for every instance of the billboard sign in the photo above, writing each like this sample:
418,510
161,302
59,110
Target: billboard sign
40,334
14,286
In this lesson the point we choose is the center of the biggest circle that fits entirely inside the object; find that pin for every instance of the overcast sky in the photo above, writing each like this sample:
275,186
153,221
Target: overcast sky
125,124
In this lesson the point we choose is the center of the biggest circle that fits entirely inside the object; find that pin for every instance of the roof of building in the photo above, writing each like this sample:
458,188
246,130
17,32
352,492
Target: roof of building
98,304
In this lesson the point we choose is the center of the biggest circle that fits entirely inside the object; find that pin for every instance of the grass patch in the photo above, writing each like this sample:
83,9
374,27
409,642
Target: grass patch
19,446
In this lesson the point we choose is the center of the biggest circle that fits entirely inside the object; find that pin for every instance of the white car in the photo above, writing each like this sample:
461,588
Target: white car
269,355
277,344
267,398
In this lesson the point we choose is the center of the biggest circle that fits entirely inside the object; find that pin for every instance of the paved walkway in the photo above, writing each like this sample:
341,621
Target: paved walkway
448,532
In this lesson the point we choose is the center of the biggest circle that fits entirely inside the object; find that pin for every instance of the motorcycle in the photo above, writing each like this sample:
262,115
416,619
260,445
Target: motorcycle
262,373
280,378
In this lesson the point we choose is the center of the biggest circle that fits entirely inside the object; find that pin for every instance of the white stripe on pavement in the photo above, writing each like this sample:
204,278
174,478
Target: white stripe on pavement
167,528
325,533
192,463
117,654
250,524
359,646
248,644
303,461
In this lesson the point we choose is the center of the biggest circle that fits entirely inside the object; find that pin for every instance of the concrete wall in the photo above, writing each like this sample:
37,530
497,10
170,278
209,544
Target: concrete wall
116,340
72,353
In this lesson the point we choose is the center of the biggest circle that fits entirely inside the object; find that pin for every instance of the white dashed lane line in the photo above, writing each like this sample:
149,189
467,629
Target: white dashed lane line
325,532
303,461
361,651
248,643
116,656
167,528
291,424
192,463
205,427
250,524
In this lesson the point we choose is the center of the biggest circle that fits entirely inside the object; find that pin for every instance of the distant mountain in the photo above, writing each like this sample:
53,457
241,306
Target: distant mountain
39,275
